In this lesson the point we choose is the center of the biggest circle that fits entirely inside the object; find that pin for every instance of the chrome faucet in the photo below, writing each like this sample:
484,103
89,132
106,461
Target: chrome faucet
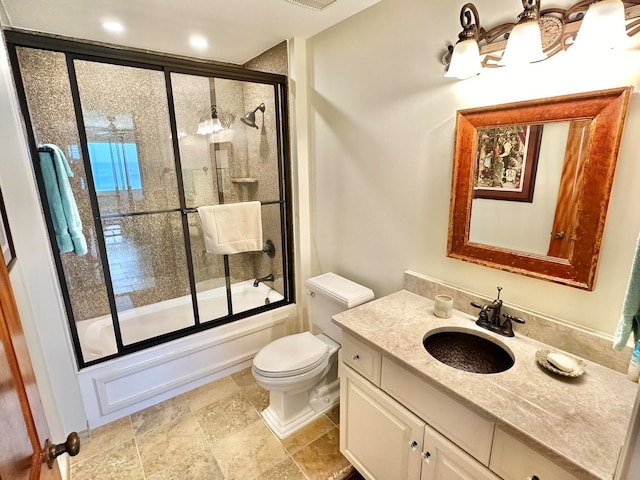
495,324
268,278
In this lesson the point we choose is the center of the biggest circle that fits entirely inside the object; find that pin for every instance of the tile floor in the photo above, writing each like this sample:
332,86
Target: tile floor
214,432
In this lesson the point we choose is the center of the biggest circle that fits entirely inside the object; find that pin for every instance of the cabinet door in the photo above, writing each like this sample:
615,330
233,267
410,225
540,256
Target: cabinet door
382,439
445,461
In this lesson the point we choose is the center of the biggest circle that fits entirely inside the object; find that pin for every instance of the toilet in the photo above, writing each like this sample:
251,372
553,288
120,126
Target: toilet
301,370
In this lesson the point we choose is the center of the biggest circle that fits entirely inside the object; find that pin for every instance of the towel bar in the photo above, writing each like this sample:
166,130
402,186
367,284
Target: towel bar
269,248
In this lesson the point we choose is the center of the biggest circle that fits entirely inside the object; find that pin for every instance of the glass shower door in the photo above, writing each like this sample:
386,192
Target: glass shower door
128,138
227,160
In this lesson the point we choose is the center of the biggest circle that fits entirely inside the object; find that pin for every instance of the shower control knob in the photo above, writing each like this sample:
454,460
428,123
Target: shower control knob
356,357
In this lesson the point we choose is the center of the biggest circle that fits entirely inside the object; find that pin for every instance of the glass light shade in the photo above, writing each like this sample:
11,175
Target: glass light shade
205,127
210,125
216,126
465,60
524,45
602,28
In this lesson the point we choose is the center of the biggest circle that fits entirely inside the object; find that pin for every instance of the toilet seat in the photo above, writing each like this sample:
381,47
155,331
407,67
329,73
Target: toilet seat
291,355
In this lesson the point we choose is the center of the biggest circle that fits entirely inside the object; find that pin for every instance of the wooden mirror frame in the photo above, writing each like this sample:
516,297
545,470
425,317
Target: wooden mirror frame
607,110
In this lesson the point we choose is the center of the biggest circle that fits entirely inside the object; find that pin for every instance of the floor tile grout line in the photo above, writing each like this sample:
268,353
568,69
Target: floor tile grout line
181,459
314,438
289,454
135,443
101,451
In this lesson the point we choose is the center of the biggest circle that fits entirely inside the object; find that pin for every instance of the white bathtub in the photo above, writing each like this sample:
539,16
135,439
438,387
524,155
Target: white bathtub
97,338
123,385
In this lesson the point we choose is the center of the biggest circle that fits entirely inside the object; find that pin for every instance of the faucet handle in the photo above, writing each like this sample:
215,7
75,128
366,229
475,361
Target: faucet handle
483,317
507,326
512,318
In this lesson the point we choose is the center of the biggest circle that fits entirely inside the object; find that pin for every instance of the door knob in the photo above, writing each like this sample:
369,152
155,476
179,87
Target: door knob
51,450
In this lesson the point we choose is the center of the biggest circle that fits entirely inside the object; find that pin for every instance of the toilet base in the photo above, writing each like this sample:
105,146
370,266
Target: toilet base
288,413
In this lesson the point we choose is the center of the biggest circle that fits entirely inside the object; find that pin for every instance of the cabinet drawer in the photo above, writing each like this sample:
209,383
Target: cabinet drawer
362,358
463,427
513,460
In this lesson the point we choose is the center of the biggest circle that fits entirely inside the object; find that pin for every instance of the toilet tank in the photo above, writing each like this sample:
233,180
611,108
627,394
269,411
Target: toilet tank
332,294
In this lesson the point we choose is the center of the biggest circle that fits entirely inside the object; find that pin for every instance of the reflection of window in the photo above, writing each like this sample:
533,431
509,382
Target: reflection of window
115,166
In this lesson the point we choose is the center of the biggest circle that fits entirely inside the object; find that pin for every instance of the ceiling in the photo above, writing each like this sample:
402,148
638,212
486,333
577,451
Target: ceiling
235,30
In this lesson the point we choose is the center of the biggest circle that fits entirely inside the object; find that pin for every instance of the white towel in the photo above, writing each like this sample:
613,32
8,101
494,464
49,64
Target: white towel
232,227
630,319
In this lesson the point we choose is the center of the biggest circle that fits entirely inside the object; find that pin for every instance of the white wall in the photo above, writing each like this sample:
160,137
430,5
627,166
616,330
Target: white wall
33,277
381,148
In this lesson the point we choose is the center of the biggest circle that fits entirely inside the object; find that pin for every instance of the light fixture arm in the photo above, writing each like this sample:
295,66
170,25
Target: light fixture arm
531,12
470,22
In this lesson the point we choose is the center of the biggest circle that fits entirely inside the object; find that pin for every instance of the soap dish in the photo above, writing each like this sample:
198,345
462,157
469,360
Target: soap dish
541,358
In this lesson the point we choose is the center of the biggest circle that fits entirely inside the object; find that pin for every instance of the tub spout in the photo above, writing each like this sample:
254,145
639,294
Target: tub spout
268,278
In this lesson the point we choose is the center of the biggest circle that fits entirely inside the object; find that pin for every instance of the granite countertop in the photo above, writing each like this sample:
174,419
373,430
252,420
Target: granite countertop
579,423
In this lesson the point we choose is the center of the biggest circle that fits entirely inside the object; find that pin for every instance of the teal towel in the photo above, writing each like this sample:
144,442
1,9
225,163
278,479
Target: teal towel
630,319
62,204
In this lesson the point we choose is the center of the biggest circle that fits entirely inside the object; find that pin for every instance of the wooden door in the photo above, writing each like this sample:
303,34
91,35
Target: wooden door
565,222
23,427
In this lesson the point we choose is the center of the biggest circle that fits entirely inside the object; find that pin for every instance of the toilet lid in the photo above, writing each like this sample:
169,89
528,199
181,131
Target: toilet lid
293,354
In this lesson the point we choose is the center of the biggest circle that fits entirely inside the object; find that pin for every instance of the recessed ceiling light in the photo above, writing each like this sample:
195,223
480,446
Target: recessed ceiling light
114,27
198,42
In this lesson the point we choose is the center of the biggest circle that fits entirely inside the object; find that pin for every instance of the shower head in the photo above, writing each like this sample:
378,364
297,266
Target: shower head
250,118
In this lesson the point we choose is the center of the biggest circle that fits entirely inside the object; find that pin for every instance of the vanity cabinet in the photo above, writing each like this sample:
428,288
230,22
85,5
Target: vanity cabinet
396,426
385,441
382,439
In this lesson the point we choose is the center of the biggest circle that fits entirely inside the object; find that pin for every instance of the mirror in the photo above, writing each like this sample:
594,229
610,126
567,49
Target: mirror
532,181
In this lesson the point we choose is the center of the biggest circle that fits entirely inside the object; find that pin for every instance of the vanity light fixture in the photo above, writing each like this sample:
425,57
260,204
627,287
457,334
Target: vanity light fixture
524,44
589,25
209,122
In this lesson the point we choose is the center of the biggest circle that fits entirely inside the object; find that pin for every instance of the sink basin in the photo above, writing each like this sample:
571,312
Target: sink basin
468,351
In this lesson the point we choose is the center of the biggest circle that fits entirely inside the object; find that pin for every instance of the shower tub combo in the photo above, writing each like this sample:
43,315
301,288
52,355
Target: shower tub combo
124,385
149,139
